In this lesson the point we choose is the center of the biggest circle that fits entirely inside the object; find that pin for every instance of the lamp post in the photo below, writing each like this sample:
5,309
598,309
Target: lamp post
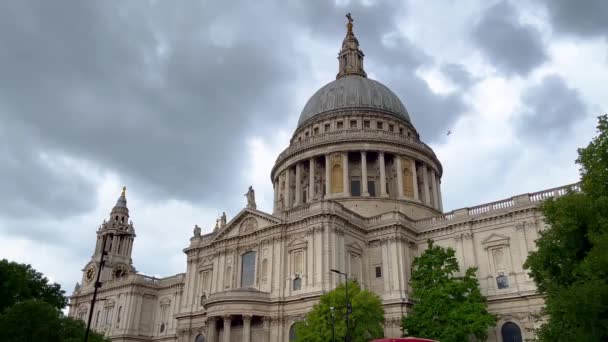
349,308
333,324
96,286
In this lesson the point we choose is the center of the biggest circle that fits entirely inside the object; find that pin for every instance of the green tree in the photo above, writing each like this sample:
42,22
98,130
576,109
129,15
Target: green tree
446,307
19,282
570,265
37,320
366,320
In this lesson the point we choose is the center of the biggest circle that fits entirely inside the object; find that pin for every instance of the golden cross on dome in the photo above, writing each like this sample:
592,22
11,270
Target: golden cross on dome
349,25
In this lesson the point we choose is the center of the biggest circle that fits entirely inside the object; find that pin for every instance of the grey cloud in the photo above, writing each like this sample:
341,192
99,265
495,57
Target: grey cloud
513,47
458,74
552,109
582,18
164,96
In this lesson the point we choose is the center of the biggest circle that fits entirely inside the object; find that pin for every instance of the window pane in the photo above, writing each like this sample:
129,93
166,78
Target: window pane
371,188
248,269
378,272
511,333
297,284
355,188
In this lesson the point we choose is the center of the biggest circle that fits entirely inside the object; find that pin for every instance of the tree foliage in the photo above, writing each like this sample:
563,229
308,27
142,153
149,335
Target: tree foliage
36,320
19,282
570,265
366,320
446,307
30,308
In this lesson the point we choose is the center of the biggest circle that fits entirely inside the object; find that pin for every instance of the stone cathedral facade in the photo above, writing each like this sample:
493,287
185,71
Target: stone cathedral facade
357,191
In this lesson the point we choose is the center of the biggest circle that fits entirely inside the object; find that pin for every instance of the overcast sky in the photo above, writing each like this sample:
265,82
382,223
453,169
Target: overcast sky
187,103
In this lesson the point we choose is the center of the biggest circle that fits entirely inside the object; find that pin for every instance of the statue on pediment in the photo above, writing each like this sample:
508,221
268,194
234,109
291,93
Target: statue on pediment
197,231
250,195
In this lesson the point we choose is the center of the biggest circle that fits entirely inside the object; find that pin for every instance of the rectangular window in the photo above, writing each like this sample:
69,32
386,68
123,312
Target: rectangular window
306,134
327,127
355,187
366,124
391,128
401,130
248,269
339,124
379,124
316,130
371,188
353,123
378,271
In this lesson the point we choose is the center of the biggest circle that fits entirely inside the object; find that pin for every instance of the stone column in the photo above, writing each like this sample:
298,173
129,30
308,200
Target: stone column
287,188
327,176
425,184
399,177
382,174
439,192
298,199
415,179
266,328
345,179
247,328
276,194
435,192
227,323
311,179
211,329
364,189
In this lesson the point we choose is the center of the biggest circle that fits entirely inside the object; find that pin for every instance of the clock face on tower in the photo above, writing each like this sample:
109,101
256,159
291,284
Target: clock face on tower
119,271
89,274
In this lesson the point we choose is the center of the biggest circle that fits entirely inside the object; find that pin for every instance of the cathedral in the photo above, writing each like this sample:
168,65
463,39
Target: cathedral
357,191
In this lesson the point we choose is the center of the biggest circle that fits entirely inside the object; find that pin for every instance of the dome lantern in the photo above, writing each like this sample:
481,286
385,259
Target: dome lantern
350,56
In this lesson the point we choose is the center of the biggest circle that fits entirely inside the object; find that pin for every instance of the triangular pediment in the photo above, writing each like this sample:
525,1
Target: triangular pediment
245,222
354,246
495,240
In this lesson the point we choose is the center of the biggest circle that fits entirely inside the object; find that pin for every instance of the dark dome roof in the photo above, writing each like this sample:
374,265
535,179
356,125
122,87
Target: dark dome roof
353,92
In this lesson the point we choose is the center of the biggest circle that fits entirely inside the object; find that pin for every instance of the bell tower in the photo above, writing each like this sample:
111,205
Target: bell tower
117,234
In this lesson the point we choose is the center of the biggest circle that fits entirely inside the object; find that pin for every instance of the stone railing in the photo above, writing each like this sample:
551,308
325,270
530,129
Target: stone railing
322,207
349,135
505,204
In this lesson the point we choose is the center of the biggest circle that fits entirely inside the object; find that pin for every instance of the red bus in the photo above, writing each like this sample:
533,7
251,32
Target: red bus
404,339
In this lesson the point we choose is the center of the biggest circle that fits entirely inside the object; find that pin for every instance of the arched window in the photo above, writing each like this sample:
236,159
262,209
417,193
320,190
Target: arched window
199,338
511,333
248,269
292,332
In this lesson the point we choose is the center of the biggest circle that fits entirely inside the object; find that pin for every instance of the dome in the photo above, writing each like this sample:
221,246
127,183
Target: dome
353,92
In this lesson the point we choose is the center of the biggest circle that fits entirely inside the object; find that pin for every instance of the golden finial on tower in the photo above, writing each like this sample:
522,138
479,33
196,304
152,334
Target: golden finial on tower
349,25
124,190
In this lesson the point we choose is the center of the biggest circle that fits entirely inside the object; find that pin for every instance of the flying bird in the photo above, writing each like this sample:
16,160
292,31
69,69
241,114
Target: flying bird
449,132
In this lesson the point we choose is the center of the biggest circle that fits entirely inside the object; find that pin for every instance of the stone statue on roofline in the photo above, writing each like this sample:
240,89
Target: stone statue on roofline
250,195
223,219
197,231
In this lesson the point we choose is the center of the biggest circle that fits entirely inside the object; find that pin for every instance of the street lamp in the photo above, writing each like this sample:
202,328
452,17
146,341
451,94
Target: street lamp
97,285
333,324
349,308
